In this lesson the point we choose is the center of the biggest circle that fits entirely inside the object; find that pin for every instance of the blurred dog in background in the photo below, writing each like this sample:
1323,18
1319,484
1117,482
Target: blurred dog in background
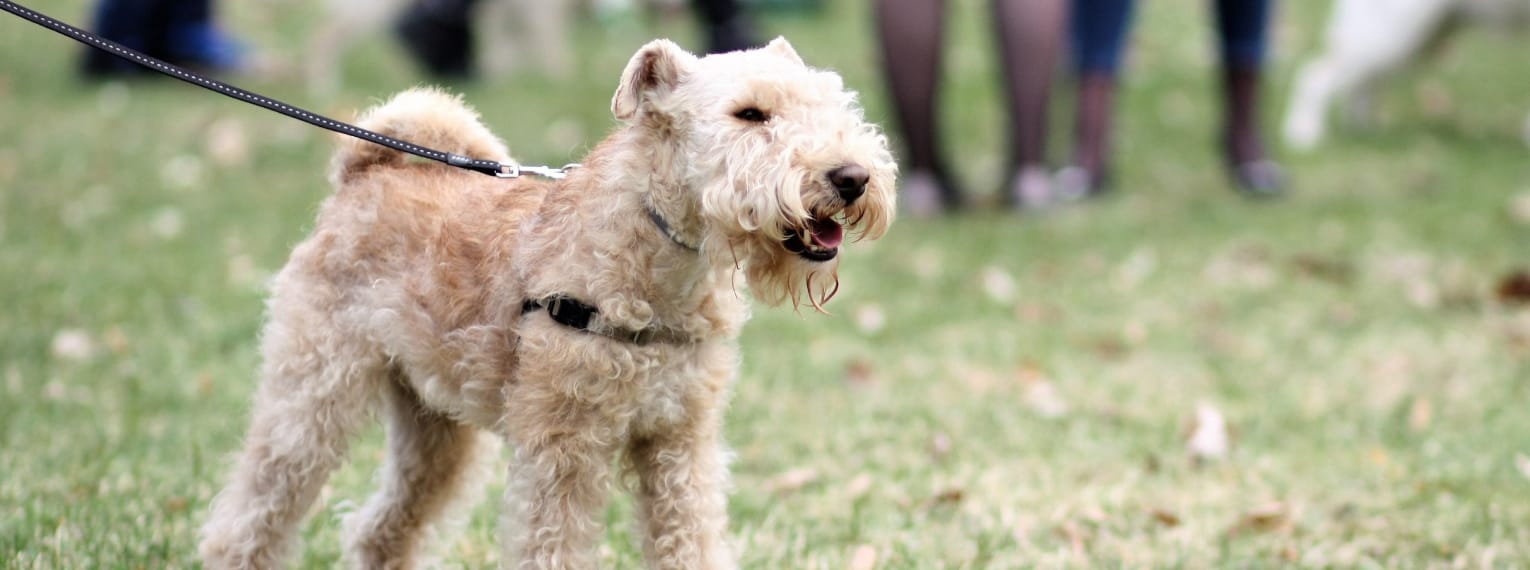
1370,39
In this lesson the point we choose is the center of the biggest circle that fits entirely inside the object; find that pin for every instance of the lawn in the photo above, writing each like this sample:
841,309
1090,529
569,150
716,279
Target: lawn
991,391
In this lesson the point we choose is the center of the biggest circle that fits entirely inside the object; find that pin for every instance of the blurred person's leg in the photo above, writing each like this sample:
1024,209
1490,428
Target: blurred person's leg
1242,30
910,38
1030,33
727,25
1099,36
439,34
127,22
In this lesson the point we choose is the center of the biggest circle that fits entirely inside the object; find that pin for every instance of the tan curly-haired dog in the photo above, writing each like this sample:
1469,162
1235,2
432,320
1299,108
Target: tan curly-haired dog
581,320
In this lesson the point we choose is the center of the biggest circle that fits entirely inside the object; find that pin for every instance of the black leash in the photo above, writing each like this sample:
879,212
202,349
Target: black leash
489,167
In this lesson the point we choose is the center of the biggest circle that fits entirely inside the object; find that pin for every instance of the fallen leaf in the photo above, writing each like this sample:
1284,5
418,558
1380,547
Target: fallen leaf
858,486
1419,414
979,380
864,558
1423,294
1165,517
227,144
1519,205
926,263
870,319
791,480
1069,531
204,385
946,497
73,344
1289,553
1043,399
940,446
1036,313
1093,514
116,340
167,223
998,284
1265,518
1379,457
184,171
1040,395
177,504
860,373
1107,347
1515,287
1336,271
1208,434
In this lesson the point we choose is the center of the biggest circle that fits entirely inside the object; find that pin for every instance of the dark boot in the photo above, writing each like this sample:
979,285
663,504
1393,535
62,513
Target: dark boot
1249,165
439,34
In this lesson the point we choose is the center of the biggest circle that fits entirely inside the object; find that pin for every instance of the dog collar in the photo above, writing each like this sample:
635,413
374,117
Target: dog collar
572,313
664,228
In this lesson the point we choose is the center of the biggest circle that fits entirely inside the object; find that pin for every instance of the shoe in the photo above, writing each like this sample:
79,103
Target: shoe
1030,189
1259,178
927,194
1076,184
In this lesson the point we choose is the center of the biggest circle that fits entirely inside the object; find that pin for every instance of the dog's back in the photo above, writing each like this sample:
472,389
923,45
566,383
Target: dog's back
406,249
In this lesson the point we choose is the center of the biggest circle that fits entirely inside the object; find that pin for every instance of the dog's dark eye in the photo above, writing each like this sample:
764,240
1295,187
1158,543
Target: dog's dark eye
752,115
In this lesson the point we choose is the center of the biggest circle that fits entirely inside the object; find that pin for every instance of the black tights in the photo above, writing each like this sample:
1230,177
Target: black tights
1029,35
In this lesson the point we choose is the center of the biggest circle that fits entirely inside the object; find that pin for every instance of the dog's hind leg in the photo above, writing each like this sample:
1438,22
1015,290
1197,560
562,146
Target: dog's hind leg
431,466
316,390
1364,45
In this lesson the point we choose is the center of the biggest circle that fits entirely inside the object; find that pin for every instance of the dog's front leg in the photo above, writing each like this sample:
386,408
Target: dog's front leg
682,502
559,480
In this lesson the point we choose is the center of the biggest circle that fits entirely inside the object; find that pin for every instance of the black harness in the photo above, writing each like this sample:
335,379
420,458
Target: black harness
572,313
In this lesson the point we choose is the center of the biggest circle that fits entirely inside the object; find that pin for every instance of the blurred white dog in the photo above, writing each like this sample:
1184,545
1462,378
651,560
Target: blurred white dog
1368,39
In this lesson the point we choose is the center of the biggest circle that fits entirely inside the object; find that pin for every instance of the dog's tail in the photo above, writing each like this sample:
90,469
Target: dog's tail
424,116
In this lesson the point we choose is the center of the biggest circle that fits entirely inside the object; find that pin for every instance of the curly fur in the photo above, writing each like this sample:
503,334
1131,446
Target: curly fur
406,299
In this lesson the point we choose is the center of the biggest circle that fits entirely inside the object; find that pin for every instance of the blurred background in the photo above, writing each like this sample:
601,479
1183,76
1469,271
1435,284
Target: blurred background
1124,357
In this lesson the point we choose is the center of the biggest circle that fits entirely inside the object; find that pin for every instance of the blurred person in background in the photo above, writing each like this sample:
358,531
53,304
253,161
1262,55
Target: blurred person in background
439,33
180,32
1029,35
1098,35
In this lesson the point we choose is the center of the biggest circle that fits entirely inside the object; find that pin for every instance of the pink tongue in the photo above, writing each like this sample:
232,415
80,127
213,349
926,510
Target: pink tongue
827,234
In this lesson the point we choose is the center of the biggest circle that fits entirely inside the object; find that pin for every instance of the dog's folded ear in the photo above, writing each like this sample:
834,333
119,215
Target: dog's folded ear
653,72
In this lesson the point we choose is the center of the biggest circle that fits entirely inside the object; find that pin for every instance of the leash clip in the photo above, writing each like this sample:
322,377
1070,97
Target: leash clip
545,171
508,170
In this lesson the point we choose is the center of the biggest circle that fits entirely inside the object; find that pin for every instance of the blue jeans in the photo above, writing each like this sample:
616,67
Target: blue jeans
1099,33
178,31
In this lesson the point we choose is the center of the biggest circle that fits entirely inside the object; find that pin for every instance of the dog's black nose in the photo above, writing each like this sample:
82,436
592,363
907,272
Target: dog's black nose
851,180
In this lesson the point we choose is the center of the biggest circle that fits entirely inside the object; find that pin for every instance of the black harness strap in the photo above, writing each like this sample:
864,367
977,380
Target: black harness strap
489,167
572,313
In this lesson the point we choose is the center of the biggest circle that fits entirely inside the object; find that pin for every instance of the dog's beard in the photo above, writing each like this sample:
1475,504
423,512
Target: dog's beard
776,275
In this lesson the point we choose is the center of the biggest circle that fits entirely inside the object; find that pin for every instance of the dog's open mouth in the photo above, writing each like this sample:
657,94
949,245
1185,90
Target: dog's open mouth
817,242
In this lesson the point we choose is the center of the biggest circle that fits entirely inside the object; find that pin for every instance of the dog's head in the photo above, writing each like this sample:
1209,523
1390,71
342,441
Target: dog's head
771,158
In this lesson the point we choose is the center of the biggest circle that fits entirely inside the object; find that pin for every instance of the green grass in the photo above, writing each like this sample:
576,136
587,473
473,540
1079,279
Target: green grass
1374,385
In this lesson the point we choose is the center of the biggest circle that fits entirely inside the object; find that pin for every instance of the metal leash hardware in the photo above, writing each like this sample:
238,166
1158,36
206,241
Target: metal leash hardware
543,171
489,167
